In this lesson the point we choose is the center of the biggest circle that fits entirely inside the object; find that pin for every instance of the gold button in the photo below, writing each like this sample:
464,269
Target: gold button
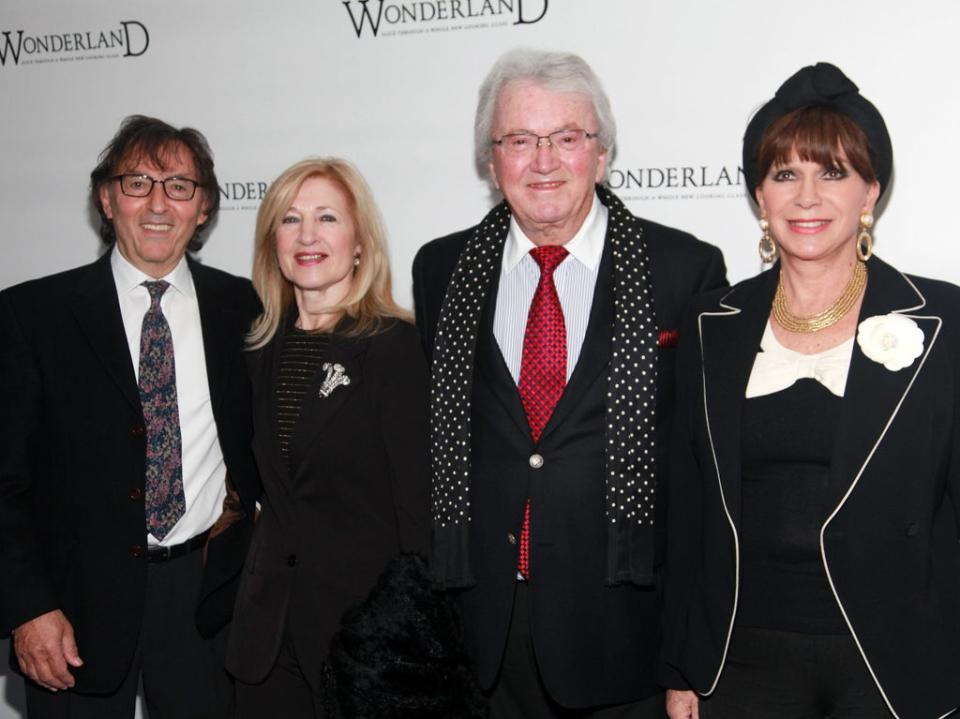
536,461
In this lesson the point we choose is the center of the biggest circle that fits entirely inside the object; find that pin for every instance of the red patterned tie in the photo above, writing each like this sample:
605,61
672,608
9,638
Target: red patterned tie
543,368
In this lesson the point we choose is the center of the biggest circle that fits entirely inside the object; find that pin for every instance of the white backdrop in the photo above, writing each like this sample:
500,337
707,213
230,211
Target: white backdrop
270,83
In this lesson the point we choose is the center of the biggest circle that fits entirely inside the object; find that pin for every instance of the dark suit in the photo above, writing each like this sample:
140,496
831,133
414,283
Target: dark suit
889,547
357,496
72,456
595,644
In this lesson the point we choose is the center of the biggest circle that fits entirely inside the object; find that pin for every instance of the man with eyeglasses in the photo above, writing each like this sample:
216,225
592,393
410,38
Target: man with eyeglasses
551,327
127,484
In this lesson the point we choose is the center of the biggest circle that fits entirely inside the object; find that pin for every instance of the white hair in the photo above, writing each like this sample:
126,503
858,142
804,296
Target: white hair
553,71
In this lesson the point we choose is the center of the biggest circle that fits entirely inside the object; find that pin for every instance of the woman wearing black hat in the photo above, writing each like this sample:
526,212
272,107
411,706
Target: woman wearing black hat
813,558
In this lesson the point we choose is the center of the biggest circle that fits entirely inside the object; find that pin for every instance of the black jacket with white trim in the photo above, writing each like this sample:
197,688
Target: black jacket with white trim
889,547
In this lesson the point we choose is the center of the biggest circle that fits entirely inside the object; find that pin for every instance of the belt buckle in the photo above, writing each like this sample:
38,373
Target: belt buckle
159,554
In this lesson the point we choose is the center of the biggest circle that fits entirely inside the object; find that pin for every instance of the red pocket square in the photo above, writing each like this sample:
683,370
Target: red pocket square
668,338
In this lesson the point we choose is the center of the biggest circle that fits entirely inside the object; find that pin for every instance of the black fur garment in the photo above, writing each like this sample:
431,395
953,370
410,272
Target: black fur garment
400,654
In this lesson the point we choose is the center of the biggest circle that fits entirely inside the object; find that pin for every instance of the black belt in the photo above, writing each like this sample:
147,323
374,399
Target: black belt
162,554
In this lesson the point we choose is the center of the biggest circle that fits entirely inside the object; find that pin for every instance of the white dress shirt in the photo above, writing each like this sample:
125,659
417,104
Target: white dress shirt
776,368
204,472
575,279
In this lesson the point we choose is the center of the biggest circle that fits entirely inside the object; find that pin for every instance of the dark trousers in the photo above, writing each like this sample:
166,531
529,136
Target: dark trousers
519,690
182,673
284,693
788,675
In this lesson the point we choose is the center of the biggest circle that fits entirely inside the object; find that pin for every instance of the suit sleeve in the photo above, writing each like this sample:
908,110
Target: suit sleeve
404,423
420,306
714,273
953,470
246,477
684,508
27,589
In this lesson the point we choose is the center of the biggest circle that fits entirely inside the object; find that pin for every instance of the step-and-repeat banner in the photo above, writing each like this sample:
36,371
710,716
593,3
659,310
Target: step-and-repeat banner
392,85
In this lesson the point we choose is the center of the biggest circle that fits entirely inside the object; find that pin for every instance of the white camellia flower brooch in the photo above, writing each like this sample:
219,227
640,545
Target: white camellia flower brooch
892,340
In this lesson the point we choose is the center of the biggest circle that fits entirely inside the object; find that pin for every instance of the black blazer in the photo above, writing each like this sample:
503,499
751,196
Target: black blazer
890,546
72,455
358,497
595,644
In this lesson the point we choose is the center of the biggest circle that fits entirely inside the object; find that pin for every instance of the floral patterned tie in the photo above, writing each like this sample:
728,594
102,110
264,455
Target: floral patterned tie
165,502
543,366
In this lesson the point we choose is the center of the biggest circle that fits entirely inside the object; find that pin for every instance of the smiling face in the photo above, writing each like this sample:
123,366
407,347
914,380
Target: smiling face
549,191
153,231
316,243
814,210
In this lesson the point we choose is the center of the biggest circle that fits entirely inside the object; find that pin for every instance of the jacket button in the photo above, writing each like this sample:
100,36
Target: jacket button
291,560
511,537
136,550
536,461
137,430
135,494
913,529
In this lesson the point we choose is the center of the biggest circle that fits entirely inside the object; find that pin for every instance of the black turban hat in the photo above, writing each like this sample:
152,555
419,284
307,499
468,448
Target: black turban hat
826,85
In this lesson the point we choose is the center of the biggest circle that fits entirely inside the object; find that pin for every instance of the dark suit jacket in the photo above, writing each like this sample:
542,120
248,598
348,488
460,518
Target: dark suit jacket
595,644
358,496
72,455
890,546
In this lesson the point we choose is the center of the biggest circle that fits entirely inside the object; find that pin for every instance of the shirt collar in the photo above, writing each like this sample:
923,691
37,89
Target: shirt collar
586,246
128,277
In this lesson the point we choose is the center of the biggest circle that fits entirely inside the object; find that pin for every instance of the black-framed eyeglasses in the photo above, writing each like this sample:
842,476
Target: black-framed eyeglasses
525,143
176,188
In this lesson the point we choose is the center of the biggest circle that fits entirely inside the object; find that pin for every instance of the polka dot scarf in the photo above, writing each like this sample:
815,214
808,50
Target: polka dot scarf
630,422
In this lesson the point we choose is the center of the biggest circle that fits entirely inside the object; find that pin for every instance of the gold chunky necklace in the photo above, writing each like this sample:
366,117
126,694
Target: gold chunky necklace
831,315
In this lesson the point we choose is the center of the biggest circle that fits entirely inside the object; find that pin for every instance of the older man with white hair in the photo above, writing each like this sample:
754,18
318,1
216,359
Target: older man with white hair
551,328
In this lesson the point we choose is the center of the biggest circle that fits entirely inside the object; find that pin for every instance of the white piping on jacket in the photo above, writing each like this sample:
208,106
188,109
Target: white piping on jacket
856,480
723,498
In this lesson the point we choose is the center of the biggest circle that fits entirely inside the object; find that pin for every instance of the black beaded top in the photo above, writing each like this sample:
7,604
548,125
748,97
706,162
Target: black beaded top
300,359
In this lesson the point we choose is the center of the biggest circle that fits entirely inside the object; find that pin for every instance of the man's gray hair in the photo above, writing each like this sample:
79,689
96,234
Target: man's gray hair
553,71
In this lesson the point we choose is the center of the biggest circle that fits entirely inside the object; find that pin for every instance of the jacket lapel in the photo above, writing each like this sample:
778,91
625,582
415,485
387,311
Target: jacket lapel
97,311
491,368
264,366
874,394
219,317
729,340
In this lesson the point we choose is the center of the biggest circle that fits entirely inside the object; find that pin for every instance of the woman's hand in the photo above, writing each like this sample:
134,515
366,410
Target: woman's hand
682,704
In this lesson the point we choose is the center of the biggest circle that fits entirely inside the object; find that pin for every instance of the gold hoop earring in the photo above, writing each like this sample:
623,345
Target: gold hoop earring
767,248
865,239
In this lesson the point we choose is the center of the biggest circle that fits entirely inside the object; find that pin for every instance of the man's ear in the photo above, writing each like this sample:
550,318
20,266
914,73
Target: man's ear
105,200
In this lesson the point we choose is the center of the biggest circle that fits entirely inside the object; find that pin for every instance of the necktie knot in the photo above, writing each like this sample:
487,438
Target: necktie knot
156,288
548,257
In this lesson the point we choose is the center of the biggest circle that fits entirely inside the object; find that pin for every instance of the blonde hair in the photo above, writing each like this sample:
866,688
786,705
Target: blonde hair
370,300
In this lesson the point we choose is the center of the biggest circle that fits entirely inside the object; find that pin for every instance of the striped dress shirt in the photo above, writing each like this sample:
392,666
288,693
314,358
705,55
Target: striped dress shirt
575,279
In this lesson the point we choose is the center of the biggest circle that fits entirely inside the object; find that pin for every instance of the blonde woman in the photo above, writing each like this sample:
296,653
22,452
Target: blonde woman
340,433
